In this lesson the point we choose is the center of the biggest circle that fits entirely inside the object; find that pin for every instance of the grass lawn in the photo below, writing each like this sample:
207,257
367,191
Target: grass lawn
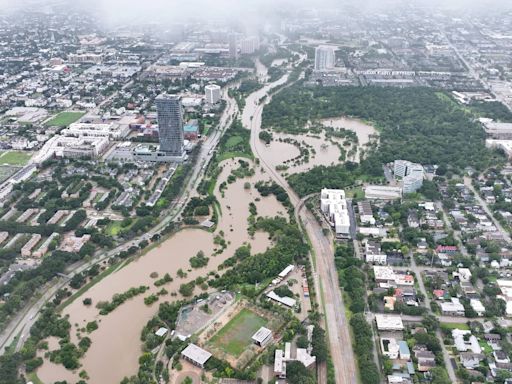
485,347
15,158
233,141
236,335
206,129
5,172
64,119
33,378
462,326
355,192
113,228
230,155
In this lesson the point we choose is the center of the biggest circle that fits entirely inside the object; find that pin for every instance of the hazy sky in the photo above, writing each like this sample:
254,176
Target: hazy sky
239,10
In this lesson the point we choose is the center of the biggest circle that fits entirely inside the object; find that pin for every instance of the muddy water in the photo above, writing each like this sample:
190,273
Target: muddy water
276,153
325,153
261,70
362,130
116,343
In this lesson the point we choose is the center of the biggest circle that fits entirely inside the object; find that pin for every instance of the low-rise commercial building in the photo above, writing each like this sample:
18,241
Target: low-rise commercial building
365,212
389,322
373,253
196,355
381,192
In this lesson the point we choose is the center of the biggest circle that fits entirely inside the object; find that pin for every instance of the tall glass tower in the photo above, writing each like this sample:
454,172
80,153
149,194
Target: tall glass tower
170,124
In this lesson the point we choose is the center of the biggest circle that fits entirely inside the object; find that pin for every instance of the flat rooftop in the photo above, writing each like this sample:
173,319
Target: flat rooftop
196,354
262,334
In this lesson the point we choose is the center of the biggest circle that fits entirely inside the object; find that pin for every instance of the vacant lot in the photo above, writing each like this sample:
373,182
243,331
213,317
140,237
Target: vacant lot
450,326
233,142
15,158
64,119
6,172
236,334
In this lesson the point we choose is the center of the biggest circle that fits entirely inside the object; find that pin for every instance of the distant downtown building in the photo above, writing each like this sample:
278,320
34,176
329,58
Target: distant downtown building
170,125
324,58
212,93
233,46
249,45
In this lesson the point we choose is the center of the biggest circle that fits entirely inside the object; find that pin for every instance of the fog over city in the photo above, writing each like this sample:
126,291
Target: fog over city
118,11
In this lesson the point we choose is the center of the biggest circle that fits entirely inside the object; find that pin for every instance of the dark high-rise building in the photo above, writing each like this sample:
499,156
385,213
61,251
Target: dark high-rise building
233,46
170,124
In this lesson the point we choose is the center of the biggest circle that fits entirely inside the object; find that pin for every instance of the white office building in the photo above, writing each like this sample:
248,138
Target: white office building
70,146
400,168
212,93
110,130
334,206
412,175
325,58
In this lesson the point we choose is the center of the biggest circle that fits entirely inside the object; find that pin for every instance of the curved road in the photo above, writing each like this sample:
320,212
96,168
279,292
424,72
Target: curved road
329,292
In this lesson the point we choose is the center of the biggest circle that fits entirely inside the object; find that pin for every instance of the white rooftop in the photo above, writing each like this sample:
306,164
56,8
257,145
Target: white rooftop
383,273
389,322
288,301
161,332
197,354
261,335
286,271
305,358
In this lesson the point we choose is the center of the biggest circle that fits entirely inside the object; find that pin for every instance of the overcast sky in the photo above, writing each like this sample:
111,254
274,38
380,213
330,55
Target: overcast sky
239,10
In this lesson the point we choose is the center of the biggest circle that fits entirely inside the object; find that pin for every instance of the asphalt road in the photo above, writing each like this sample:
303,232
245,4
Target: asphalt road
334,309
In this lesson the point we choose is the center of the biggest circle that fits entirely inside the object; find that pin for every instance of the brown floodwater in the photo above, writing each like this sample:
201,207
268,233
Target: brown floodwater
277,152
362,130
116,344
322,151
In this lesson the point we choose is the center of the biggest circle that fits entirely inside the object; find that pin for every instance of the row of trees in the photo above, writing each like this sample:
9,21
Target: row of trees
353,280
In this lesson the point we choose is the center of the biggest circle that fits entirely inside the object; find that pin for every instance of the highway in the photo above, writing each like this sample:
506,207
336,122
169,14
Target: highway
21,324
333,306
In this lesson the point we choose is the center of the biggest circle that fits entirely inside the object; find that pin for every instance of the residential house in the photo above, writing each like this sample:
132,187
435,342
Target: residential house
405,353
374,254
471,360
501,357
389,347
426,360
477,306
452,307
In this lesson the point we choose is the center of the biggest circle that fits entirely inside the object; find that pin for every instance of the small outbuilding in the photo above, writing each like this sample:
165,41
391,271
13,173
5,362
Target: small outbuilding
161,332
262,337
